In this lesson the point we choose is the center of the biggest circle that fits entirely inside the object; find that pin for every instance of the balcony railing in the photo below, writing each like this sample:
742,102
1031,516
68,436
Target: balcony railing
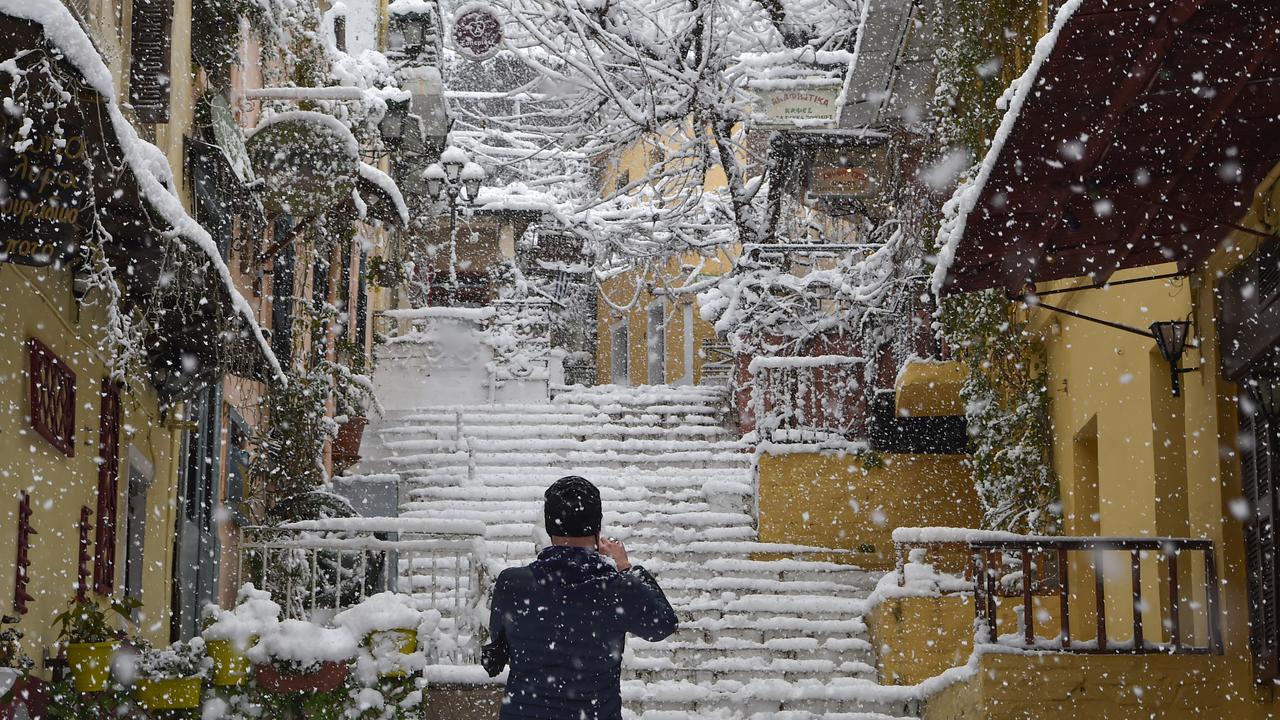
803,399
314,569
1146,588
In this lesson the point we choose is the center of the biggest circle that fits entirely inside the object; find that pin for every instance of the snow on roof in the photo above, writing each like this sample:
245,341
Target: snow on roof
404,7
149,164
955,213
388,186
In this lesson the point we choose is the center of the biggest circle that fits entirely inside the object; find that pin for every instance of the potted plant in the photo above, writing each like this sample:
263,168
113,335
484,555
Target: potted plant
91,641
302,657
389,627
15,665
346,446
170,678
228,634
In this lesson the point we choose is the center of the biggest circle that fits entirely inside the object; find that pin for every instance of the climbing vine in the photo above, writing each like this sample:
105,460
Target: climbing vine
1007,404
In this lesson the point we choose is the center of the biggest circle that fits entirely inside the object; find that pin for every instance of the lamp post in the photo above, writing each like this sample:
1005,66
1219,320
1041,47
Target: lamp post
455,178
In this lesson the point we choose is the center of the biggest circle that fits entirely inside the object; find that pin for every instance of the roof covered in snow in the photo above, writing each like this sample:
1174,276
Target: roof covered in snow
1136,136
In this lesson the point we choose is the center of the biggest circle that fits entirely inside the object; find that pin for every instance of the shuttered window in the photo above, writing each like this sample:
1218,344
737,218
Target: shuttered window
149,68
1257,472
104,558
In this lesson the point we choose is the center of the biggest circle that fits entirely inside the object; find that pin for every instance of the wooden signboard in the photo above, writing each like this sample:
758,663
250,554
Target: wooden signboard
853,171
53,398
44,178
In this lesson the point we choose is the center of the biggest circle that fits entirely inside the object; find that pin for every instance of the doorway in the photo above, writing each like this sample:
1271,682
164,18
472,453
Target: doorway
195,566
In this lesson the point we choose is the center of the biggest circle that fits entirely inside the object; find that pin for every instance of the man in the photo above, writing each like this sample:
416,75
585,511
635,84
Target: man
564,618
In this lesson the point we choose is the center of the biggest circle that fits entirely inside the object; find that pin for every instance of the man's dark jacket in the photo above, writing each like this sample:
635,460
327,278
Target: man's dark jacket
566,617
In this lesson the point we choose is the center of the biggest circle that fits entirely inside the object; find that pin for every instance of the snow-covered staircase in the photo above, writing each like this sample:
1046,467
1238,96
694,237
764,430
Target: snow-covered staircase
779,639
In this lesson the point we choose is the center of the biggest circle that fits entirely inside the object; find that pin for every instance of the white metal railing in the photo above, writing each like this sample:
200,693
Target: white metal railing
314,569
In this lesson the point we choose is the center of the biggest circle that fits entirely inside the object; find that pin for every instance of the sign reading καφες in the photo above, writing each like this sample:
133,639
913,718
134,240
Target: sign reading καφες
44,184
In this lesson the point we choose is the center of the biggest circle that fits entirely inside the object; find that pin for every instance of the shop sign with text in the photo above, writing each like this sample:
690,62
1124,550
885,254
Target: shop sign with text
44,183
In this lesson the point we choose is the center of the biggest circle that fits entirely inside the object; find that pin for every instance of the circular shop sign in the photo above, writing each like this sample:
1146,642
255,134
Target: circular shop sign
477,31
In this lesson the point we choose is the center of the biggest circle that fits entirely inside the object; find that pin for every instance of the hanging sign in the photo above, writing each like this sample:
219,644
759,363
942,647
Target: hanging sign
477,31
811,106
44,181
307,162
851,171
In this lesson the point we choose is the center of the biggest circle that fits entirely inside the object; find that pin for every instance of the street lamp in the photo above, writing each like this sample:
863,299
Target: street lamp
452,179
1171,338
453,159
395,123
412,31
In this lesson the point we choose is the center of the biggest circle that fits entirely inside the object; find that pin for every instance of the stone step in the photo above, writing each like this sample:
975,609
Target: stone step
483,491
482,446
703,459
548,430
688,652
772,695
535,480
744,669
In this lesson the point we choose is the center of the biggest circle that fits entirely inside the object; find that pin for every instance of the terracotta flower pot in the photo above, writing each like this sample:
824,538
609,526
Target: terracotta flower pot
168,693
230,666
346,447
90,665
324,678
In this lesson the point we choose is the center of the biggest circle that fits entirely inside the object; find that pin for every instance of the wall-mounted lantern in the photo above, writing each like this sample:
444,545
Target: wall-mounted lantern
1171,338
396,123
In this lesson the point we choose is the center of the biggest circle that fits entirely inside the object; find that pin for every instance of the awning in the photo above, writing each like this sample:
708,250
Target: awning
1137,136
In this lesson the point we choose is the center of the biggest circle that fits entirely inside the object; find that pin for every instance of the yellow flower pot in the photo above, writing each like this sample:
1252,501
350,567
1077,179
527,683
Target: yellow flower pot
90,665
168,693
230,666
406,642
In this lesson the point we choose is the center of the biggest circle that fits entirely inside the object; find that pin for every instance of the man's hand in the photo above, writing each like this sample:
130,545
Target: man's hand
613,549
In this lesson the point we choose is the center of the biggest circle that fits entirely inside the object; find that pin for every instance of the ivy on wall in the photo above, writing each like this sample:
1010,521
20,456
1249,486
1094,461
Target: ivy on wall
1007,404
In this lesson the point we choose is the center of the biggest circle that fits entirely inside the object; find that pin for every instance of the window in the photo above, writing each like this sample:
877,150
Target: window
237,467
141,473
104,558
149,68
1257,475
657,342
618,349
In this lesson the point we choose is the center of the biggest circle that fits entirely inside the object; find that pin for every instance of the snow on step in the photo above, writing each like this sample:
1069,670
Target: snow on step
758,639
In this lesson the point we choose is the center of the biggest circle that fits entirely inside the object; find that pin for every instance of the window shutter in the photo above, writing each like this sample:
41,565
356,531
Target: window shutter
1258,481
149,70
104,558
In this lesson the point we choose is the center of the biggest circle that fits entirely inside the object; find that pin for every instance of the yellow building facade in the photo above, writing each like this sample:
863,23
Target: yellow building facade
1153,451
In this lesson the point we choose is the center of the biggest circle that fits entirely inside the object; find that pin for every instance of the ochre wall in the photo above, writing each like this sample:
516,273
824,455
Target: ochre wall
919,637
1104,687
620,291
839,500
38,303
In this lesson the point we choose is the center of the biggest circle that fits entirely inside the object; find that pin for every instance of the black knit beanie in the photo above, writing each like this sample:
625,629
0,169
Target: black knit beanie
572,508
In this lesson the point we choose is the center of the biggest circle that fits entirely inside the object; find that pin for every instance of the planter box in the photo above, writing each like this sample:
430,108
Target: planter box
326,677
230,666
90,665
168,693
